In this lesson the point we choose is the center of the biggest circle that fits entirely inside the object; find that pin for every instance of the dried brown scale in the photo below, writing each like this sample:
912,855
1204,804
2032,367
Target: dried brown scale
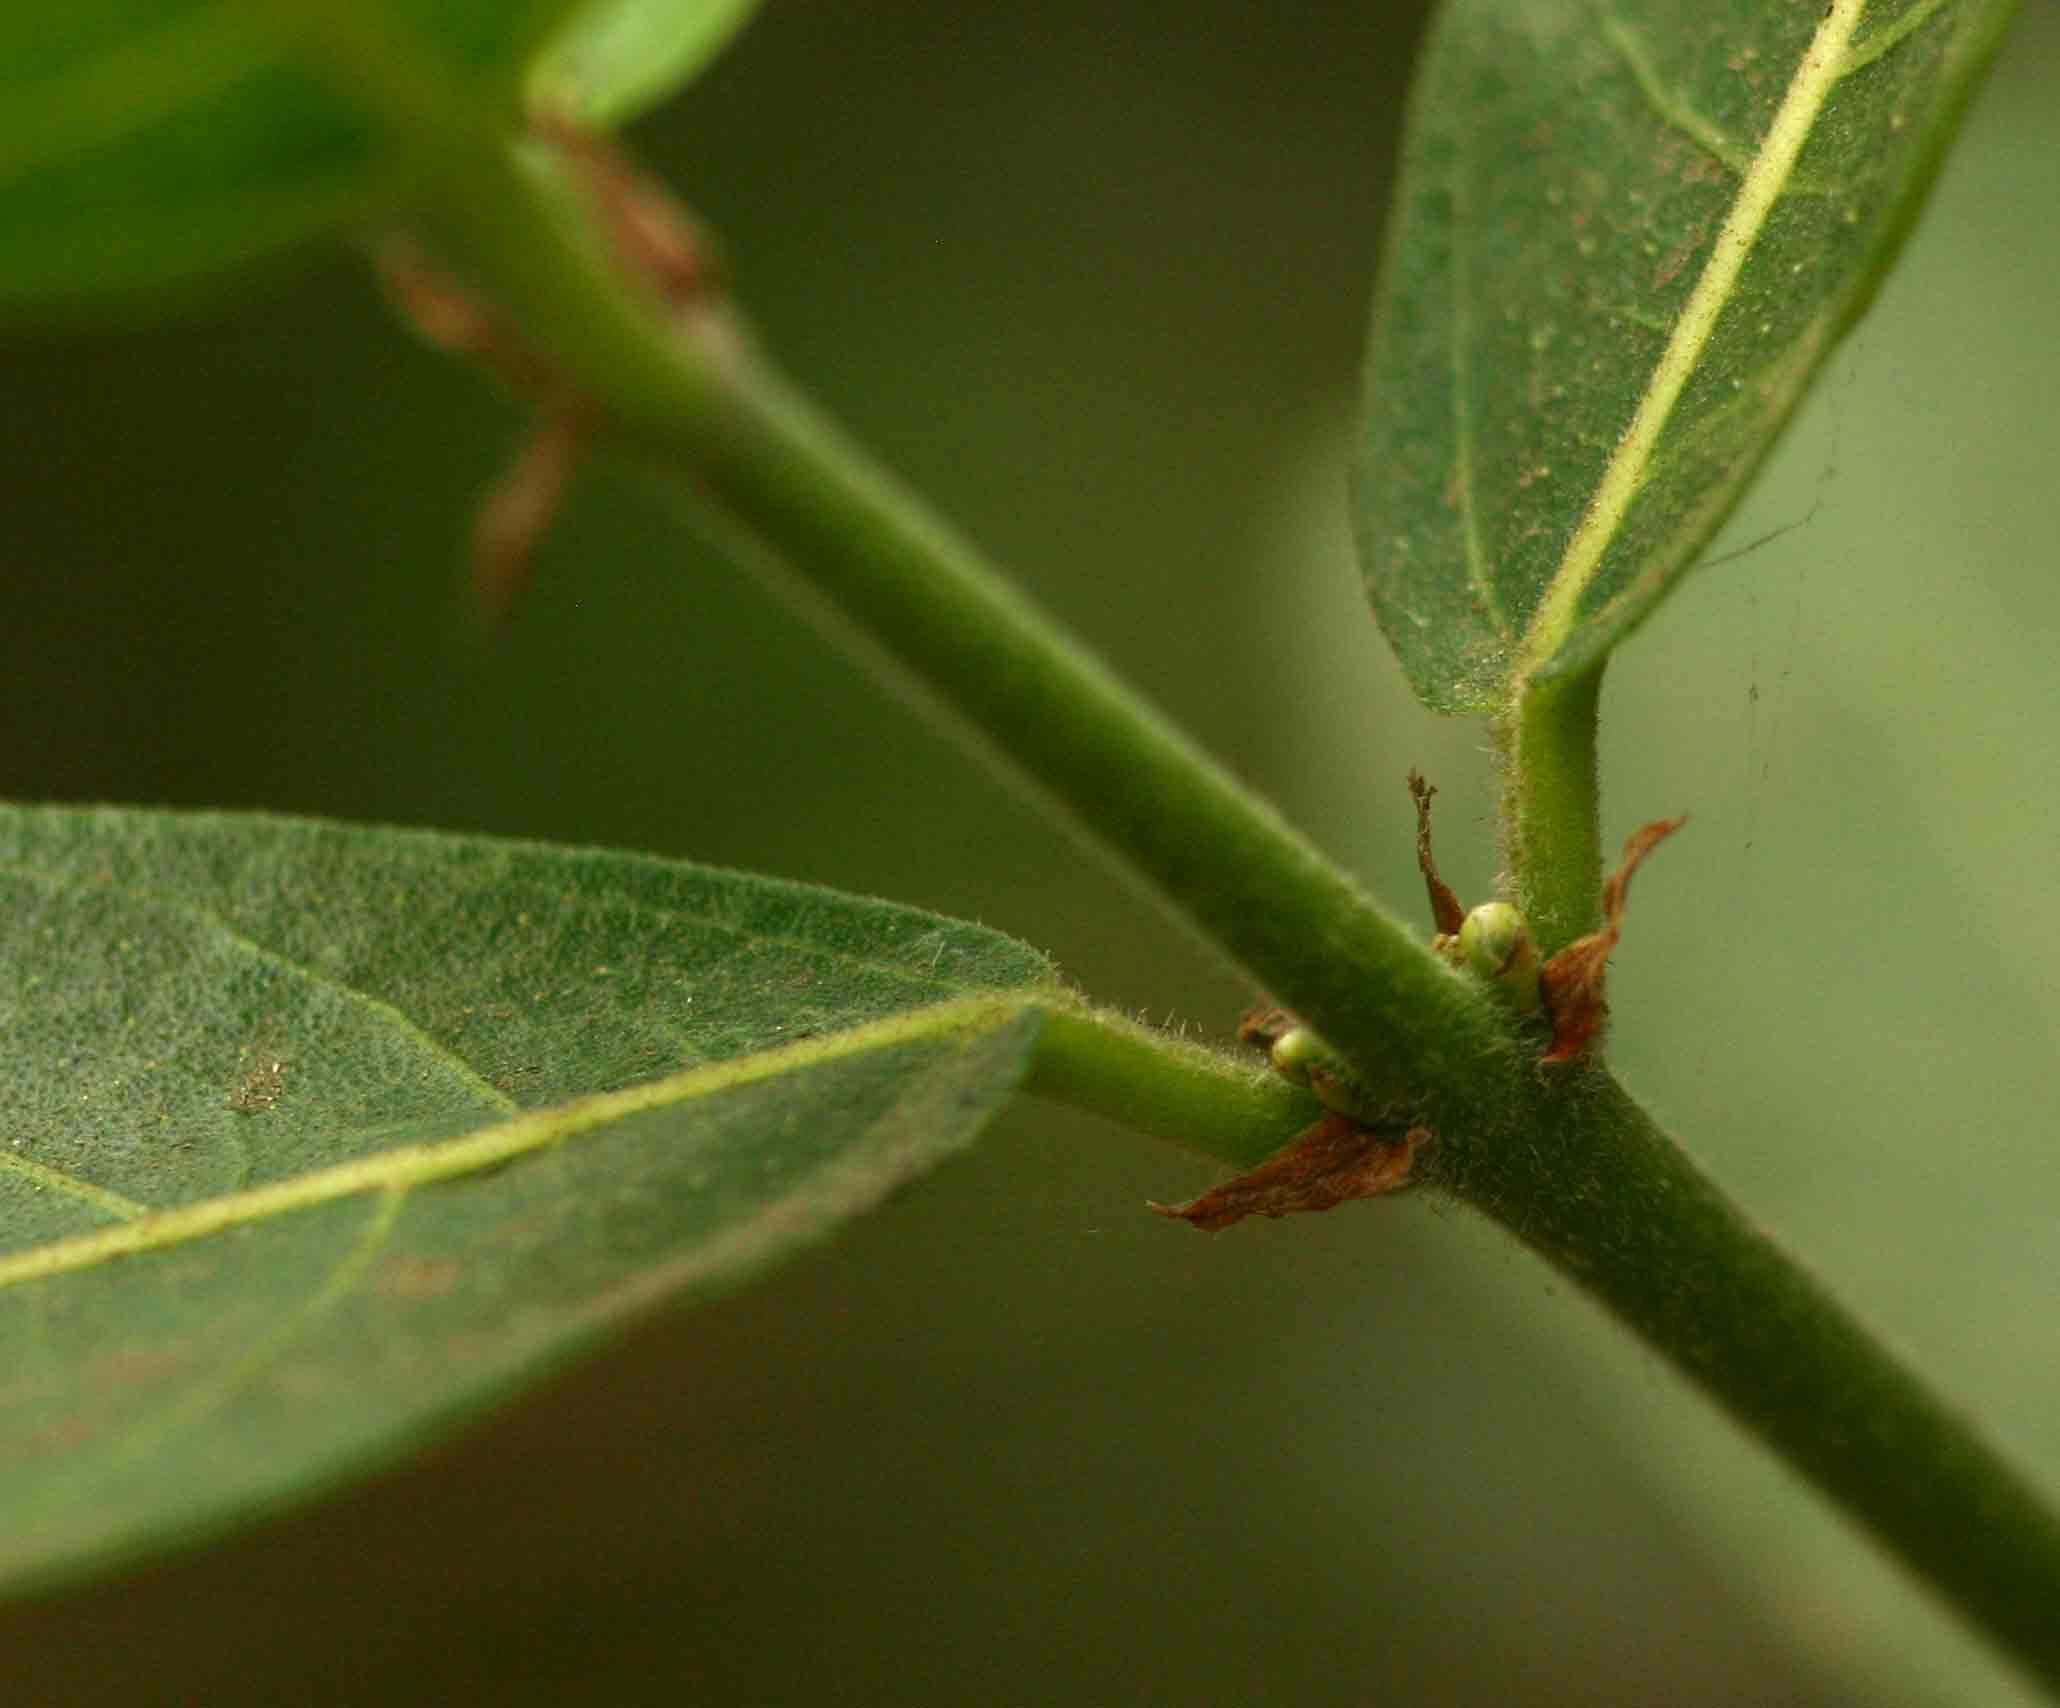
654,238
1343,1157
1572,981
1447,914
518,509
1336,1161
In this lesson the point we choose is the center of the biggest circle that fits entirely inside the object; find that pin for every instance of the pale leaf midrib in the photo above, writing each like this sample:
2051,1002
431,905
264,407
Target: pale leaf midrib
1792,371
409,1166
389,1015
1677,112
1772,169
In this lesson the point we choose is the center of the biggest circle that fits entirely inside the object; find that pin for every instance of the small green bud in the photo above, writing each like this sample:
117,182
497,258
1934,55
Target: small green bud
1299,1055
1295,1052
1495,945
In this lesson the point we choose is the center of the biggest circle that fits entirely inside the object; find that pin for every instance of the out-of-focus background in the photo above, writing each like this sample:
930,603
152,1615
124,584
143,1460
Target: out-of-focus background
1094,277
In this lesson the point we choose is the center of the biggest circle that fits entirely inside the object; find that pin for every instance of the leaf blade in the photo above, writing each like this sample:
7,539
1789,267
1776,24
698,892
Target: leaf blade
199,1319
1627,239
151,149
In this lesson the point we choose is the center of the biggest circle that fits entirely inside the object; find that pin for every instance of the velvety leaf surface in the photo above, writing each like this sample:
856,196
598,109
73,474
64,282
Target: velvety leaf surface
1628,234
318,1135
147,145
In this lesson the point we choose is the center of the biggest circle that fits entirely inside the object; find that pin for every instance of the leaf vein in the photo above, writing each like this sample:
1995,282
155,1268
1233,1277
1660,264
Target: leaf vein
1891,36
109,1203
1673,108
142,1436
1678,111
477,1152
222,928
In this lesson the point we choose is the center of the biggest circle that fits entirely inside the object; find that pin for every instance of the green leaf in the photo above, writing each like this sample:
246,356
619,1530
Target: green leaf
1628,235
615,60
318,1137
148,147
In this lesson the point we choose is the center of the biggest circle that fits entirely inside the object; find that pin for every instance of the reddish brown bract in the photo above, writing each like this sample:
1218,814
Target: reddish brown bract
1572,980
1335,1161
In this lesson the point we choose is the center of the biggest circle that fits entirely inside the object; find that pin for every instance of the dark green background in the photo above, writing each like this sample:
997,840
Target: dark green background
1094,278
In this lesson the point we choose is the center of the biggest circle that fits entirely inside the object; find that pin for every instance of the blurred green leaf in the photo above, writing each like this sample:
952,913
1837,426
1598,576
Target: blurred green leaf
619,57
149,146
318,1136
1573,376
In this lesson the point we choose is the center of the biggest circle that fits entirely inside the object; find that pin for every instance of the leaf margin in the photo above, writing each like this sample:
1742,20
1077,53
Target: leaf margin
1437,629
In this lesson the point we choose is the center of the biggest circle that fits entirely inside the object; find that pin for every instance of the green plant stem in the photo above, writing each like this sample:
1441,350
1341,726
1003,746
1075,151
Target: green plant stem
1554,849
1599,1190
1226,861
698,404
1572,1168
1163,1086
690,396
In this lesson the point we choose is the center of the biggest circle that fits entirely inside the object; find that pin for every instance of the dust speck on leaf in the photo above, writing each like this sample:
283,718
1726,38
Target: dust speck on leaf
262,1085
